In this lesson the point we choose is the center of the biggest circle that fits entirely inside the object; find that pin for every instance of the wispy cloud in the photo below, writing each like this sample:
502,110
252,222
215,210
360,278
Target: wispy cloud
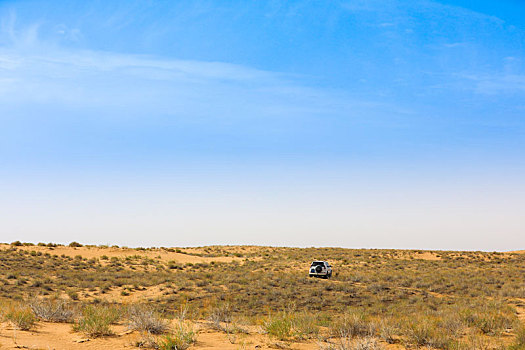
34,71
493,84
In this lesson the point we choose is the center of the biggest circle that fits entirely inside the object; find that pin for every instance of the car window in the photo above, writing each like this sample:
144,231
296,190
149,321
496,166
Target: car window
317,263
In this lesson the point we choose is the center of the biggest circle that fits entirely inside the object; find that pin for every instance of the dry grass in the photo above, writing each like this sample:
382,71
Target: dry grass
144,319
19,315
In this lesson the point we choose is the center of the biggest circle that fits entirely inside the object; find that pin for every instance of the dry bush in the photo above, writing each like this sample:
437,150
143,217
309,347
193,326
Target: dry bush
387,331
424,331
346,343
220,318
52,310
353,324
145,319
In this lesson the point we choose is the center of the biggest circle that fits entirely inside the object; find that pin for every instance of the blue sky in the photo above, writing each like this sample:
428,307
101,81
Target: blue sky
374,123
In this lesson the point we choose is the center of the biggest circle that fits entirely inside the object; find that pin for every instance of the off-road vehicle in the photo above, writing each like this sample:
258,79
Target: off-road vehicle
320,269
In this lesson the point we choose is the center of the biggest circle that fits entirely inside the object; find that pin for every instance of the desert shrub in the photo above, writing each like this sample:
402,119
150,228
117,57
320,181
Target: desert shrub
20,316
423,331
492,318
220,317
52,310
147,341
452,324
346,343
181,339
96,320
519,342
387,331
353,324
279,326
367,344
145,319
75,244
305,325
473,342
72,294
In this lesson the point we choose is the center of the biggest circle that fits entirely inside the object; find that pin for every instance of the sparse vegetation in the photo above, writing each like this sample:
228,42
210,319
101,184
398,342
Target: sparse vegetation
444,300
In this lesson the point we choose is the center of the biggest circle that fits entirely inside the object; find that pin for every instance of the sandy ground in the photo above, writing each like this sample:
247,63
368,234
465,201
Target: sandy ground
60,336
97,252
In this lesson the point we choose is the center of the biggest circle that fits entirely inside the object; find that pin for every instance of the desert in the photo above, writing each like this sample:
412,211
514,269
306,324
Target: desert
253,297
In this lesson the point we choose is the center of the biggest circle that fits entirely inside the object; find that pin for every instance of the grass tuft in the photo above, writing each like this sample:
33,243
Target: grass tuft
20,316
96,321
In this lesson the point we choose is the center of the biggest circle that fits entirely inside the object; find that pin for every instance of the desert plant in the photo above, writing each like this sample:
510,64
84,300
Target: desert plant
52,310
305,325
96,320
181,339
145,319
279,326
147,341
20,316
367,344
346,343
353,324
423,331
519,342
387,331
221,317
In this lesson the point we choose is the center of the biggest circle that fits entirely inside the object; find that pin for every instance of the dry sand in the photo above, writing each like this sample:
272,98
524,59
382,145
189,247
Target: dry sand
98,252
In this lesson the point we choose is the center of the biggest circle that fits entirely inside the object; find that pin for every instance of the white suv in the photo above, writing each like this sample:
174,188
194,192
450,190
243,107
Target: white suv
320,269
